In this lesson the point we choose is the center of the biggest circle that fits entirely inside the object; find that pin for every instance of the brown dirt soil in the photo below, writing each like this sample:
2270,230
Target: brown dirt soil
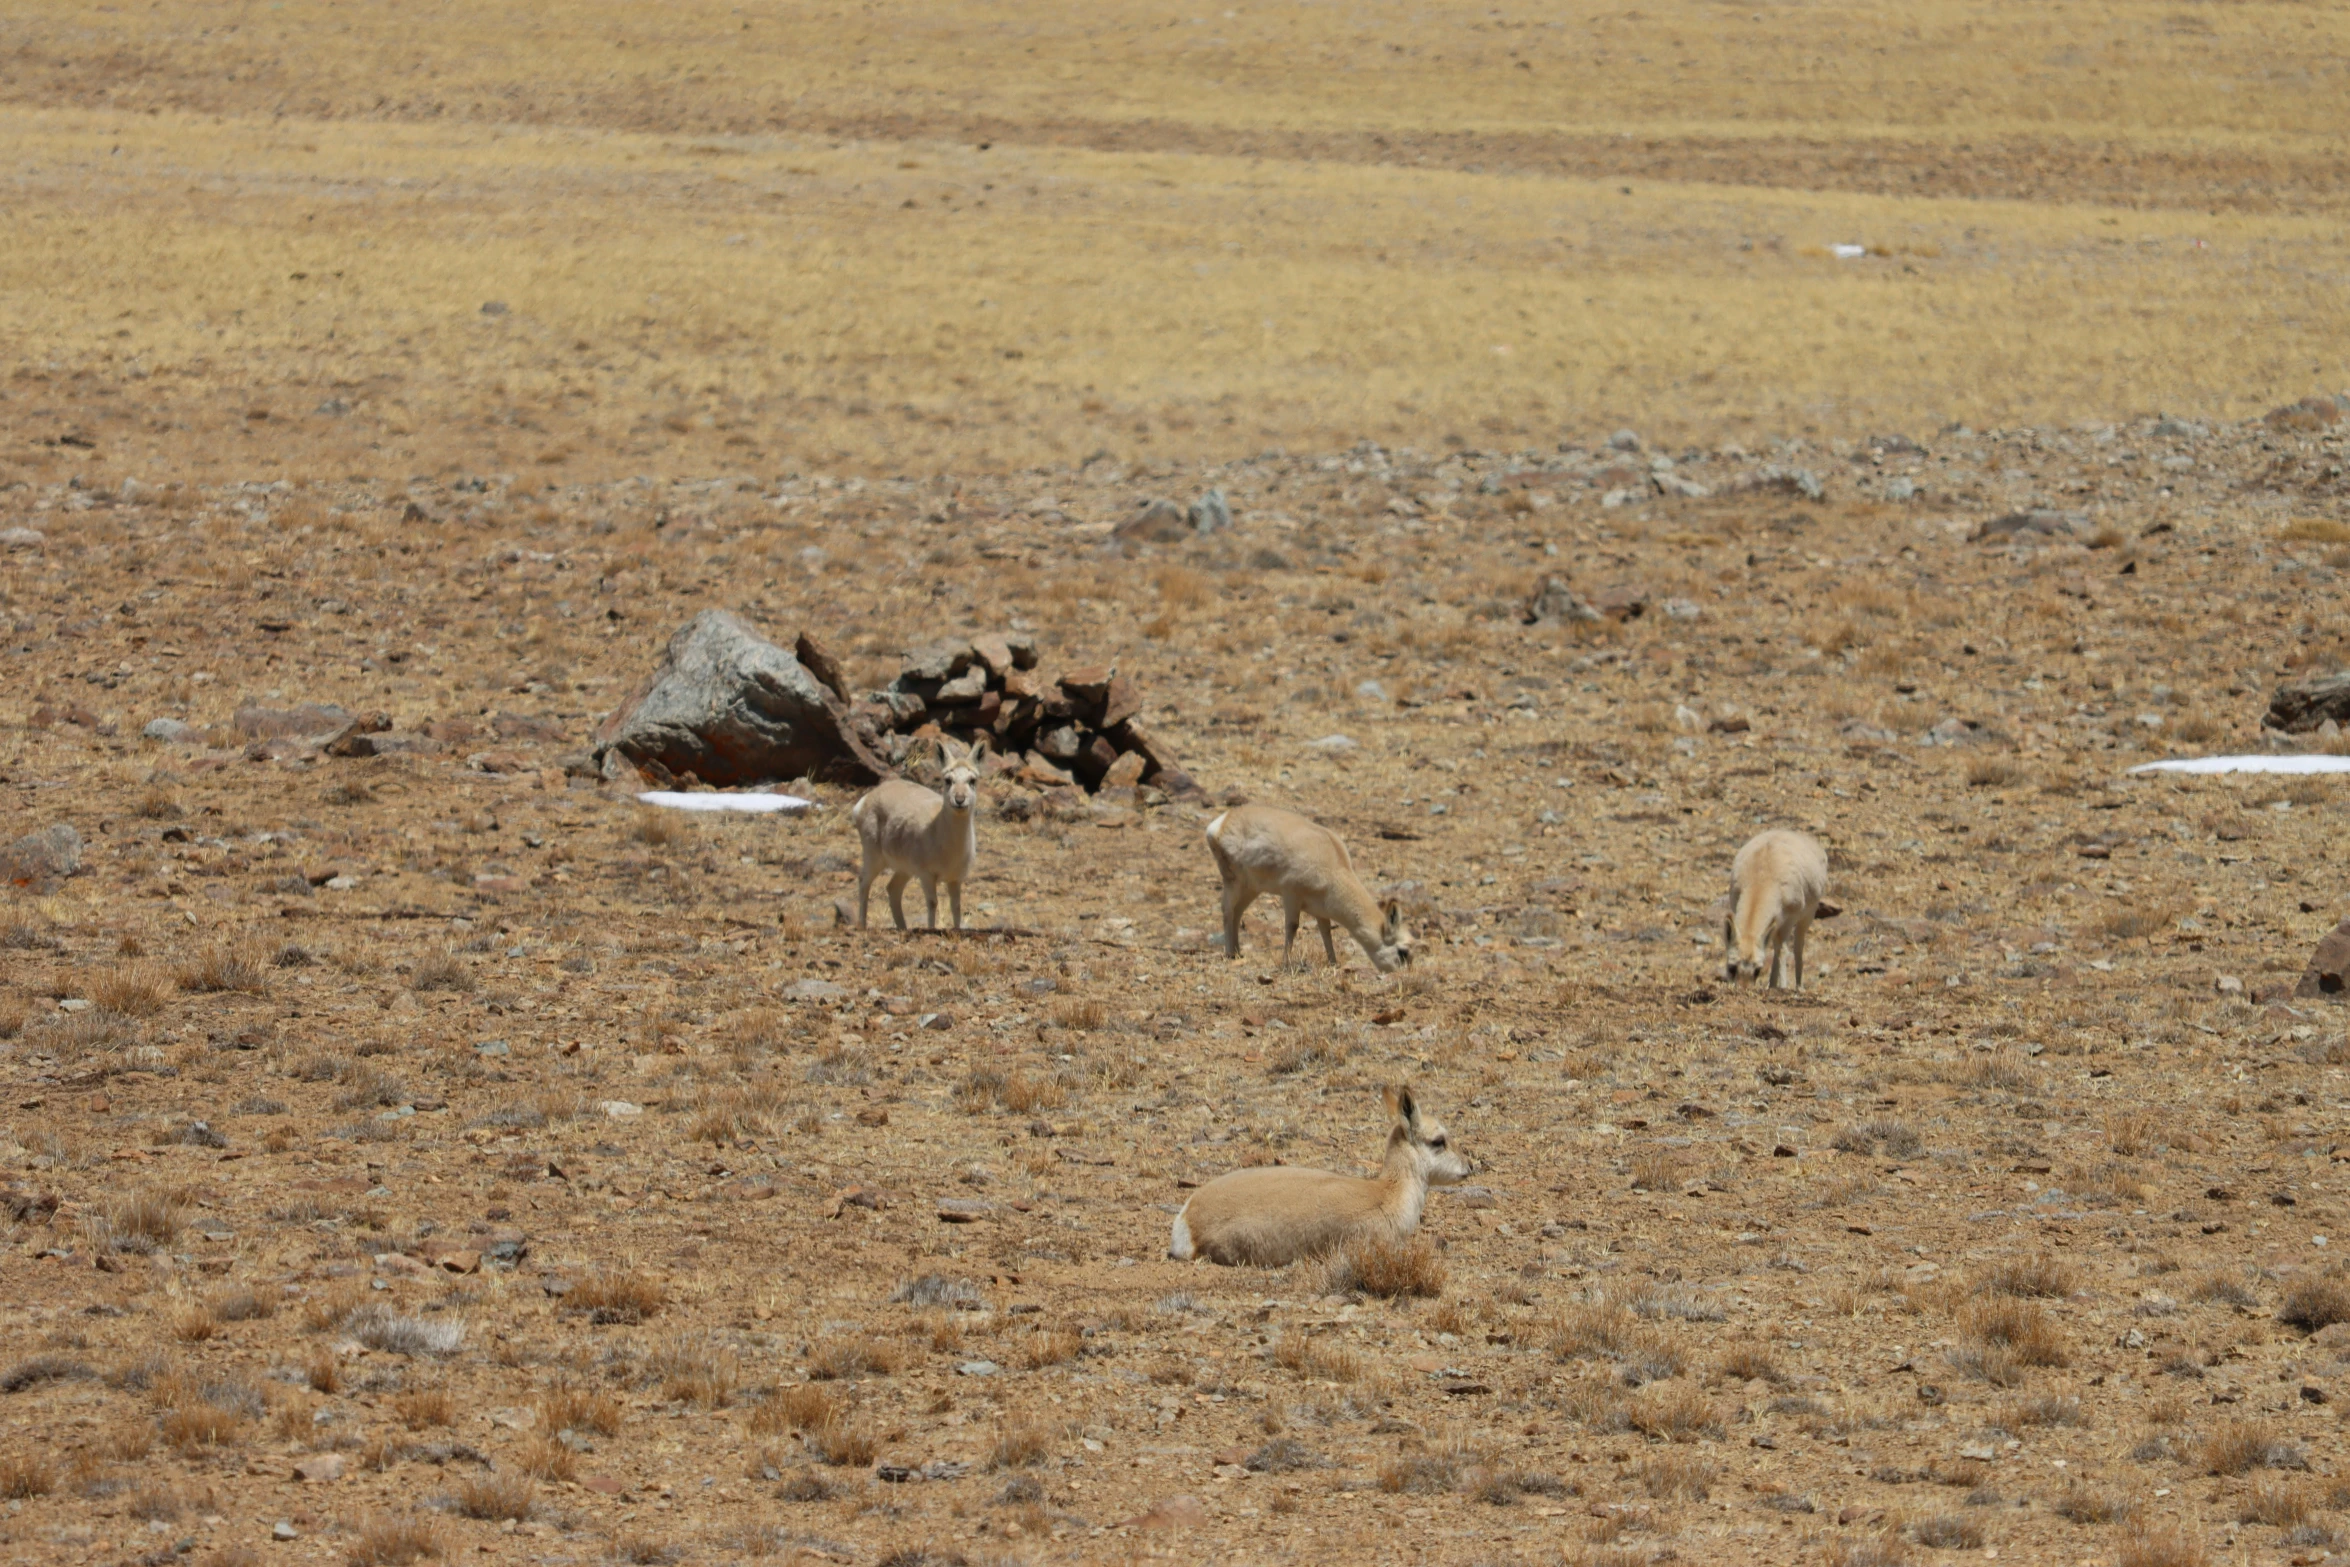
556,1166
440,1155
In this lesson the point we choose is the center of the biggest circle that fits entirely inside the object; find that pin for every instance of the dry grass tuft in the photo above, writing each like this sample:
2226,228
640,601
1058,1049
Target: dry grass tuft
1674,1411
2239,1446
1318,1359
1388,1269
2039,1275
842,1442
565,1407
2161,1545
2281,1504
133,990
850,1357
2314,1303
616,1297
2084,1505
1949,1532
396,1539
24,1476
142,1223
425,1406
697,1371
225,969
1020,1445
1671,1477
2021,1329
442,970
194,1323
495,1497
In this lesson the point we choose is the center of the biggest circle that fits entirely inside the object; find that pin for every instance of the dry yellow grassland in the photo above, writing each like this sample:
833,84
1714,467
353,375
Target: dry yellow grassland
732,239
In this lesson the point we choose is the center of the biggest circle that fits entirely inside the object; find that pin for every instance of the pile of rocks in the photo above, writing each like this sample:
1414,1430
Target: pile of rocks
729,709
1080,729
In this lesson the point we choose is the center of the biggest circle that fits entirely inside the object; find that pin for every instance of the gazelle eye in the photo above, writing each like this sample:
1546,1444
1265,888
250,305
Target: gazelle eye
1436,1142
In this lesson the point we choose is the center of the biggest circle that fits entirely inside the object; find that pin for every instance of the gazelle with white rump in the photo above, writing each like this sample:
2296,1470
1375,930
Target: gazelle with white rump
1261,849
912,832
1776,884
1272,1215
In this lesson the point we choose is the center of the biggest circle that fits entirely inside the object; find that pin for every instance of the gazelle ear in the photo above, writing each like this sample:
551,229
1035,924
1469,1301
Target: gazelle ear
1399,1103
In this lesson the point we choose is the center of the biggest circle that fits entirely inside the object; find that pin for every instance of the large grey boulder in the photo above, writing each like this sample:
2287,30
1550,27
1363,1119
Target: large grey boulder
732,708
52,854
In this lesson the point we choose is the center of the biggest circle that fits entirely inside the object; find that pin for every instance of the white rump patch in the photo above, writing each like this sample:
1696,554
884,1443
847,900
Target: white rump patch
672,800
1179,1244
2249,764
1215,827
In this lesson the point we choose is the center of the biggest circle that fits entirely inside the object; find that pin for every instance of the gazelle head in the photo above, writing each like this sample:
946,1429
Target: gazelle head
1395,942
1428,1144
961,774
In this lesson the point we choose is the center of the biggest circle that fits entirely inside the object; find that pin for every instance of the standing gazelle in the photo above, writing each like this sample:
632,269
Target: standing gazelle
1776,884
912,832
1271,1215
1260,849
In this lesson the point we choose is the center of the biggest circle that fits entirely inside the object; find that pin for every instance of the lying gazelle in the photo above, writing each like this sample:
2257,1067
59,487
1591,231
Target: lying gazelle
1776,884
1262,850
913,832
1271,1215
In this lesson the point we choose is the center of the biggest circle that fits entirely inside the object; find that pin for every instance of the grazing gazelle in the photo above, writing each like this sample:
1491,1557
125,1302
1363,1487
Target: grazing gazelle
1271,1215
913,832
1260,849
1776,884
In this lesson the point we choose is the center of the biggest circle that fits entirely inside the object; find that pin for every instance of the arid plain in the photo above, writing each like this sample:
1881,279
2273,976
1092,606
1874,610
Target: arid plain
440,1156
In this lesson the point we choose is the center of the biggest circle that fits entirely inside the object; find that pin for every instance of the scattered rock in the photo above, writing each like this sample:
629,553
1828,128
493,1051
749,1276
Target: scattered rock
2307,417
1157,521
1333,745
172,731
963,1210
2328,973
2038,521
815,990
731,708
1552,603
1211,513
22,538
52,854
2311,704
318,1467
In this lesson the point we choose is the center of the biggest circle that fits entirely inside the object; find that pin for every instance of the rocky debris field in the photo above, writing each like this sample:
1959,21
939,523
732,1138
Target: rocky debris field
415,1146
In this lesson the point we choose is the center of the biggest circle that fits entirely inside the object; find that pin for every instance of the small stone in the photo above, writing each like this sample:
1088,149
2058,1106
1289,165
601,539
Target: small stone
22,538
814,990
1624,441
1126,772
937,1022
1982,1452
977,1368
283,1529
170,731
1372,691
491,1047
1333,745
963,1210
320,1467
620,1109
2228,985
